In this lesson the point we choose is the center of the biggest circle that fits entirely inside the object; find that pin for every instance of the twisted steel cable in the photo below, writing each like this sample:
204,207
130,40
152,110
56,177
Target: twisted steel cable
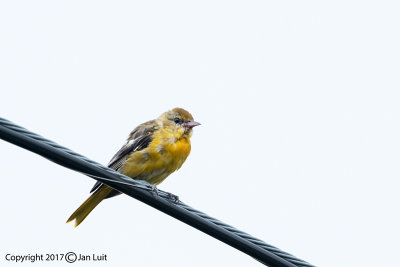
149,194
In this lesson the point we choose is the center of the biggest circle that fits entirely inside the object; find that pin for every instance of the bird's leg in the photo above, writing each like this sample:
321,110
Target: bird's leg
153,189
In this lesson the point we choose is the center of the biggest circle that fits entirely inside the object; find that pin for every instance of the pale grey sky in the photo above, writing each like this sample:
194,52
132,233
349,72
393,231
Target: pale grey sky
299,143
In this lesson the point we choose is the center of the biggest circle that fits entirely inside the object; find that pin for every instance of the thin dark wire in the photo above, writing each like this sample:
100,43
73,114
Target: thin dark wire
142,185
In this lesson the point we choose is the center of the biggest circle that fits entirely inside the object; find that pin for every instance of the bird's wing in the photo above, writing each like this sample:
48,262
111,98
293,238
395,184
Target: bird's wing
138,139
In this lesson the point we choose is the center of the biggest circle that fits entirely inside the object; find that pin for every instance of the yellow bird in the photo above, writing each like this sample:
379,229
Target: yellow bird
153,150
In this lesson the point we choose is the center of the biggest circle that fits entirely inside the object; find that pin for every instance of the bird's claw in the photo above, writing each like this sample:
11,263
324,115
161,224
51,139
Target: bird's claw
172,197
167,195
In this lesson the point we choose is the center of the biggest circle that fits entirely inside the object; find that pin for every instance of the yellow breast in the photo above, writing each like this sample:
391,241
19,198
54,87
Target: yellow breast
158,160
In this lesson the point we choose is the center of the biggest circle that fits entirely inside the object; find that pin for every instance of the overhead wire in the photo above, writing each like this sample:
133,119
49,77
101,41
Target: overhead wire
149,194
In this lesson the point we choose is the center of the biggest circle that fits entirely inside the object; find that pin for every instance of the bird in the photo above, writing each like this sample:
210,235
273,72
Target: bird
152,151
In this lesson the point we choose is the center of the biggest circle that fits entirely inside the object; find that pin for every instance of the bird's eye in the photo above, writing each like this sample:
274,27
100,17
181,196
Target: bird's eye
177,121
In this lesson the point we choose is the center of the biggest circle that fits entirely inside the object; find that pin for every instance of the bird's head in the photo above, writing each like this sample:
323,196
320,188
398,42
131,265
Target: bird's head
178,121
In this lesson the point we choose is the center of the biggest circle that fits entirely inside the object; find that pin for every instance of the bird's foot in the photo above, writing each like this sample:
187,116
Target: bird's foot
154,190
172,197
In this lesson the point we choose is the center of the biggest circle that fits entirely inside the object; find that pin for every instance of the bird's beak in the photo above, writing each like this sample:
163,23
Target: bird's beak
190,124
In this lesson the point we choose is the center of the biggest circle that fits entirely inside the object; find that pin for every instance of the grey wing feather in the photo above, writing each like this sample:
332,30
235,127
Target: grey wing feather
139,139
131,146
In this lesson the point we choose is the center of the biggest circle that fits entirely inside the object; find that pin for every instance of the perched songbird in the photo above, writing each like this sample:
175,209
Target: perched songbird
153,150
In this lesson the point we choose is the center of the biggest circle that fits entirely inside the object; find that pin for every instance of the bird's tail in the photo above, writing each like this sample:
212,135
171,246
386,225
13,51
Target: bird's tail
83,211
